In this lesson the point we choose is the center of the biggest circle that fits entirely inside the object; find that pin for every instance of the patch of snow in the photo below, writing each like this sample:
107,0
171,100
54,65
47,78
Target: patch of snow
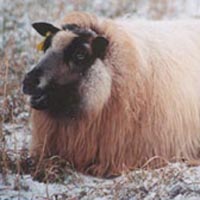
17,136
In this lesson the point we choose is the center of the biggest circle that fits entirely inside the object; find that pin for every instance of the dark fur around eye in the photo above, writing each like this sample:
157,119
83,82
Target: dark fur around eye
76,46
79,55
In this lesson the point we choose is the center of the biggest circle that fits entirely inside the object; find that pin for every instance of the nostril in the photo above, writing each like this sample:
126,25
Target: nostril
31,82
29,86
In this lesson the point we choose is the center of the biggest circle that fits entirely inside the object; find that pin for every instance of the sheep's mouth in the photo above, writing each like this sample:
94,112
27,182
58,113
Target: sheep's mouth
39,101
57,100
38,96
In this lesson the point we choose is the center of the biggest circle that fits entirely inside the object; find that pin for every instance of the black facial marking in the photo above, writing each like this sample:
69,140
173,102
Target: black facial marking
82,32
62,98
71,27
62,101
31,81
79,53
99,43
39,102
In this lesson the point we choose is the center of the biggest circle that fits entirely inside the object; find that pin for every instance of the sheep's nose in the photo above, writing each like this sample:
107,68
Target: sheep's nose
31,81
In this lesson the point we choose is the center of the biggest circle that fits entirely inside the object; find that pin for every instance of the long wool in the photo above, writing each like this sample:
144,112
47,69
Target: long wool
154,106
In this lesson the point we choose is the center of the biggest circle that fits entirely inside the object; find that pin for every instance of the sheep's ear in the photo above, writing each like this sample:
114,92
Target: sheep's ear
99,46
44,28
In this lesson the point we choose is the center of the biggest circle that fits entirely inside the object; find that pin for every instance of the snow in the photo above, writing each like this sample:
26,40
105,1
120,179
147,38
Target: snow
16,136
29,189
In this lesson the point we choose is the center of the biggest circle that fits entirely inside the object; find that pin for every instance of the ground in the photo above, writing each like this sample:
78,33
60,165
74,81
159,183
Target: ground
55,179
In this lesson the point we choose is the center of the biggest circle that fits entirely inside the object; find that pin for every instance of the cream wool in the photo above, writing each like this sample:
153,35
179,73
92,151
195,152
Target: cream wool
151,104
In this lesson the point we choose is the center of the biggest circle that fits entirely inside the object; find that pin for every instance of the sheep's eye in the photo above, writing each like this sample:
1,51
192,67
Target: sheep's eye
80,55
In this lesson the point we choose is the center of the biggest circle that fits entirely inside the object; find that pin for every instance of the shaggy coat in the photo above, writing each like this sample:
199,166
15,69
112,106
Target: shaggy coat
153,109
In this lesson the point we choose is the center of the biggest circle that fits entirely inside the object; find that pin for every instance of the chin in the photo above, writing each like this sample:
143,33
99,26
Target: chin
39,102
58,101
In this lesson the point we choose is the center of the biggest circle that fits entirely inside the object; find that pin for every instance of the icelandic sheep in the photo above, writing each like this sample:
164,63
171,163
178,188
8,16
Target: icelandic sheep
112,95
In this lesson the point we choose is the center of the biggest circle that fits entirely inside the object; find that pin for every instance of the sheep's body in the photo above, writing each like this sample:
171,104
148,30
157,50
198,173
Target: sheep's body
154,105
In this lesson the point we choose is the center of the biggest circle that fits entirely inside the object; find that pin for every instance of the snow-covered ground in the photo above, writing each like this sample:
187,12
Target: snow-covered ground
17,53
176,181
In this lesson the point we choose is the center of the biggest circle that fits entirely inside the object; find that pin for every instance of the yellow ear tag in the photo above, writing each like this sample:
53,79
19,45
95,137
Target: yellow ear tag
40,46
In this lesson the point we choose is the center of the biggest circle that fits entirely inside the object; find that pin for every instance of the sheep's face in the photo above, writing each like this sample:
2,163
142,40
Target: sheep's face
71,76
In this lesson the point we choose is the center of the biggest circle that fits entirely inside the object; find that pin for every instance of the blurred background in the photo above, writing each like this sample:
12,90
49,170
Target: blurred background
18,39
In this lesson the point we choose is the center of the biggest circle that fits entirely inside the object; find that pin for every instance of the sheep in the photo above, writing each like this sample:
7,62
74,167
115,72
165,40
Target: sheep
111,96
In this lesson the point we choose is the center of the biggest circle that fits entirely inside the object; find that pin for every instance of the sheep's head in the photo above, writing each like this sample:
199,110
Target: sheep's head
71,76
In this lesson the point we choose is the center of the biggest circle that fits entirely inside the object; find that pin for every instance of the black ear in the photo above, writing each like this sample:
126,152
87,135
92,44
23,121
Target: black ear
99,46
43,28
